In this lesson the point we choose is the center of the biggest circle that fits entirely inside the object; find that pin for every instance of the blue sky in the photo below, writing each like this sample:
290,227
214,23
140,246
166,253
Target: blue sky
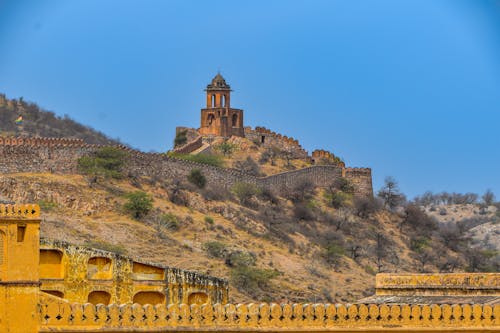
408,88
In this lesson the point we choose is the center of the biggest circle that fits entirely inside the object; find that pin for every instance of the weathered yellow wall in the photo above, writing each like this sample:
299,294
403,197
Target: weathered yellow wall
449,284
62,316
19,282
85,275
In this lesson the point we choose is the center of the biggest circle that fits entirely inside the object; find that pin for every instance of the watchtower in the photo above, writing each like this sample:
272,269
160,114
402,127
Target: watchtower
218,118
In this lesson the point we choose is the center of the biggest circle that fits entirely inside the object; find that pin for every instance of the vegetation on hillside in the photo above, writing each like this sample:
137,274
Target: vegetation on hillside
41,123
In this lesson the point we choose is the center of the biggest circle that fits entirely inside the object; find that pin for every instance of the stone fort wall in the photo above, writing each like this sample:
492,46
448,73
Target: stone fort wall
60,156
267,138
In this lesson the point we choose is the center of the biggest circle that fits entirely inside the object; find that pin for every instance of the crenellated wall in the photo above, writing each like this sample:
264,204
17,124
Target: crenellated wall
322,156
267,138
61,155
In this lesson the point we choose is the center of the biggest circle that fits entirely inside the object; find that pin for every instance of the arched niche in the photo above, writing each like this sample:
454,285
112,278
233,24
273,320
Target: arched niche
198,298
99,268
51,266
99,297
149,297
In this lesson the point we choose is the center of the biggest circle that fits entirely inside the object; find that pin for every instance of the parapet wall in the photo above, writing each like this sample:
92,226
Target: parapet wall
268,138
449,284
58,315
61,155
321,156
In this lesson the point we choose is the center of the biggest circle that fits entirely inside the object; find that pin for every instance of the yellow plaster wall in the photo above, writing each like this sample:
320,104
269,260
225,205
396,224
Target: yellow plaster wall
64,316
438,284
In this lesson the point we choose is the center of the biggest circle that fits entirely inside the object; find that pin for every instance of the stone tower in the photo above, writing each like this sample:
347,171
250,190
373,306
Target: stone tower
218,118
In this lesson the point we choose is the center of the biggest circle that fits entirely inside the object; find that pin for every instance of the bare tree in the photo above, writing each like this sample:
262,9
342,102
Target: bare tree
390,194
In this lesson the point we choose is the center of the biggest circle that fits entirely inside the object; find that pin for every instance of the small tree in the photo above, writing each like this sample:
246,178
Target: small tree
390,193
197,178
106,162
245,192
180,138
488,198
226,148
139,204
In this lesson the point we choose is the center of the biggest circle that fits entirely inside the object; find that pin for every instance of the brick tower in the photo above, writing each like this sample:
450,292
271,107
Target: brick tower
218,118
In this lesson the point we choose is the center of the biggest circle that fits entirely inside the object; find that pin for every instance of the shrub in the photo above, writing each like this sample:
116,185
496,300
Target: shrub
338,199
303,212
366,206
197,178
244,192
106,162
46,205
209,219
215,249
139,204
334,252
345,185
101,245
170,221
226,148
249,278
217,193
180,138
240,258
248,166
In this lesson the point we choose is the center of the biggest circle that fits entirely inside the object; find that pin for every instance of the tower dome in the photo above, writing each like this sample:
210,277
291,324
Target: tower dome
218,83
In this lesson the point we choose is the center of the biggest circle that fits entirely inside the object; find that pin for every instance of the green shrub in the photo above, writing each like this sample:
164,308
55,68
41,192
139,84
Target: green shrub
334,252
240,258
197,178
248,278
180,138
215,249
226,148
170,221
338,199
244,192
209,159
209,219
138,204
46,205
370,270
106,162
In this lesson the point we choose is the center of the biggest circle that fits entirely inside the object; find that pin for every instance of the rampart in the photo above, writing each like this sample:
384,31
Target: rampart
61,155
81,274
322,156
267,138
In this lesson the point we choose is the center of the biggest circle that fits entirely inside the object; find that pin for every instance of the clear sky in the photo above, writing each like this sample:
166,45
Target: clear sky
409,88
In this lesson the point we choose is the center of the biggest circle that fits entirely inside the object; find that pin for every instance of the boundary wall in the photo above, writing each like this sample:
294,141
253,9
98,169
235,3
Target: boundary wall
19,155
61,316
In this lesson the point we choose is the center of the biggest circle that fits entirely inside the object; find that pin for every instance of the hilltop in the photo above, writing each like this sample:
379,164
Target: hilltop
41,123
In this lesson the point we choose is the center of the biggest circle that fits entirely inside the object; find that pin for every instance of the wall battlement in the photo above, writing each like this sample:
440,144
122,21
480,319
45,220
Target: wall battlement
268,138
61,156
20,211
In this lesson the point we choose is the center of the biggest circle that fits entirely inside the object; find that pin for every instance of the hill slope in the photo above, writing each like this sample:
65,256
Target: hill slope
41,123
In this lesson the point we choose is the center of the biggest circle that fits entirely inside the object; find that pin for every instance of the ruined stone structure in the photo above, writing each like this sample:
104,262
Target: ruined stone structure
322,156
86,275
267,138
25,308
40,155
218,118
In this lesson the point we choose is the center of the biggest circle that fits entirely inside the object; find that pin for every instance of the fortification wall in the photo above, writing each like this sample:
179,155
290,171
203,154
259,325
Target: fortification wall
321,156
361,179
61,155
267,138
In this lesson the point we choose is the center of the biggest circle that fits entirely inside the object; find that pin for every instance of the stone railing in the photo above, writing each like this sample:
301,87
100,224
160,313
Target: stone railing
61,316
20,211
